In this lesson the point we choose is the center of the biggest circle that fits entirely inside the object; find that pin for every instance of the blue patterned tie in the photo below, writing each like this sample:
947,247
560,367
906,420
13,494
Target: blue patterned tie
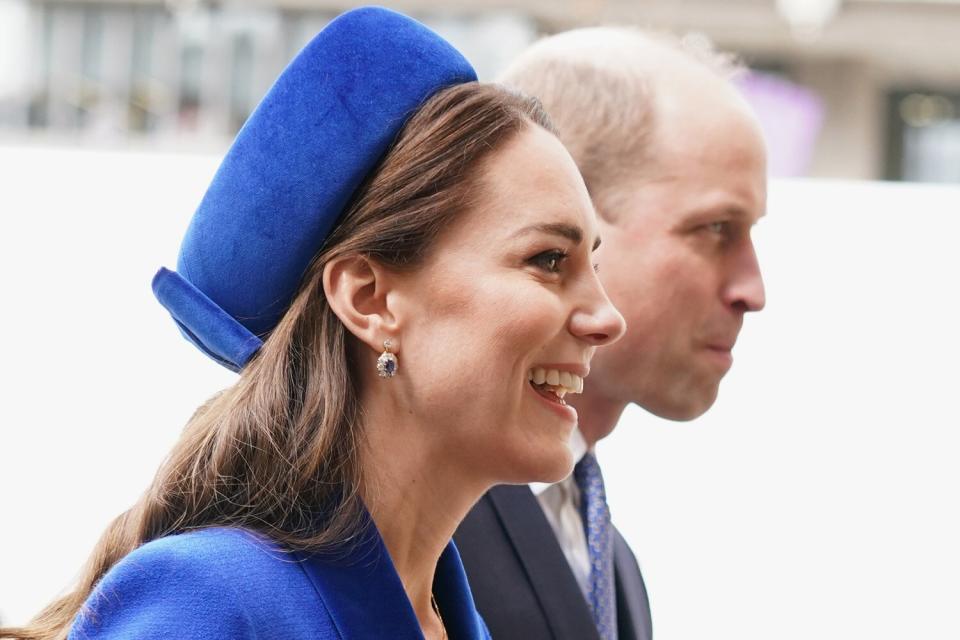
596,521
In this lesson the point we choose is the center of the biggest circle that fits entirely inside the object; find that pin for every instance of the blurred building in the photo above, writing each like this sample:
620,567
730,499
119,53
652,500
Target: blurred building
855,88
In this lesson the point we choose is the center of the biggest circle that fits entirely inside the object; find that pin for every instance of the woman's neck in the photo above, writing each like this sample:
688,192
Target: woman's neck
417,497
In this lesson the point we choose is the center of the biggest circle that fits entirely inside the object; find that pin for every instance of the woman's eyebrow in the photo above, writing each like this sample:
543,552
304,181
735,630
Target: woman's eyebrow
568,231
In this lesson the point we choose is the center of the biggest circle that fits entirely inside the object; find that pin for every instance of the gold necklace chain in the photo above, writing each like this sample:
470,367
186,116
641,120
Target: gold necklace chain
436,610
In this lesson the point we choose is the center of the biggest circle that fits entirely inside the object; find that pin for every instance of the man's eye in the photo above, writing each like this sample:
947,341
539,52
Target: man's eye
719,231
720,228
549,260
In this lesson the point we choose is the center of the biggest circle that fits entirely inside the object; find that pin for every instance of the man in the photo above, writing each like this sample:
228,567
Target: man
675,163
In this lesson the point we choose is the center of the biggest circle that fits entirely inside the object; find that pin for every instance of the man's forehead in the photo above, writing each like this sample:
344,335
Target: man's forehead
704,157
668,199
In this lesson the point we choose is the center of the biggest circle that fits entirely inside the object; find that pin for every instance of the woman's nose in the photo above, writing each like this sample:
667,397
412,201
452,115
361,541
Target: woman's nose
597,321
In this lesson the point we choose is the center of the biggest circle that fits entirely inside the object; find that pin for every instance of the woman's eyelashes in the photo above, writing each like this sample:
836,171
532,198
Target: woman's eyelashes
550,261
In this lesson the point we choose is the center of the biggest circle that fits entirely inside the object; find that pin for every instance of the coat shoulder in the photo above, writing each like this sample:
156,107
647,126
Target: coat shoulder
217,582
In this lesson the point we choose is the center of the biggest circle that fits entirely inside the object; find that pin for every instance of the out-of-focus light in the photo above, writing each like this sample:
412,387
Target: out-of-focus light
790,117
913,1
923,110
808,17
14,47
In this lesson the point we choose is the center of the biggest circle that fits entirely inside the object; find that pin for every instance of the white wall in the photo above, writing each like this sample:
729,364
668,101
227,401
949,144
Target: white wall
818,499
96,382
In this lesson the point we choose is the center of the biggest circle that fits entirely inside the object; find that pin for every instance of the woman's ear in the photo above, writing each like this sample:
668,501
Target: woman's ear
356,290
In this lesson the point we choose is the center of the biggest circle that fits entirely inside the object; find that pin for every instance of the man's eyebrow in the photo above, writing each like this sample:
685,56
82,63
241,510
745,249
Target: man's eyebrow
732,211
740,212
743,214
569,231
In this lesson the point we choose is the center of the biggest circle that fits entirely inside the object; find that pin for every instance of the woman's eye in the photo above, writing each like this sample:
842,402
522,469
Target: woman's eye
549,260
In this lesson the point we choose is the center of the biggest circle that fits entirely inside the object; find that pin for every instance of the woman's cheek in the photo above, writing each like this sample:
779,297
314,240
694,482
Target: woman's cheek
531,317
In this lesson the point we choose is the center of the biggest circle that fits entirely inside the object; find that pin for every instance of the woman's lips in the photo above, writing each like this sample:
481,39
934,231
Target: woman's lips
553,402
548,392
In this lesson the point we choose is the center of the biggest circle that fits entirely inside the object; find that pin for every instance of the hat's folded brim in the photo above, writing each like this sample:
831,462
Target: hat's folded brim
224,339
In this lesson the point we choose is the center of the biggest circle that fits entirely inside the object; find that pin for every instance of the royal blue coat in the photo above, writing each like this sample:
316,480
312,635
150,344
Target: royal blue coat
233,584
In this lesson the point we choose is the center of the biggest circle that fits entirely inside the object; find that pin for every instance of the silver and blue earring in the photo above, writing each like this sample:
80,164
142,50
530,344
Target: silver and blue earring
387,362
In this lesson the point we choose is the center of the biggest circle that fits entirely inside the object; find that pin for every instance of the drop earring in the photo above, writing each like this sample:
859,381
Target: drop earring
387,362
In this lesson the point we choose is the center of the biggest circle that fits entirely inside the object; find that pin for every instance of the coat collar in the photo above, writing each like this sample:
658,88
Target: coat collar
364,596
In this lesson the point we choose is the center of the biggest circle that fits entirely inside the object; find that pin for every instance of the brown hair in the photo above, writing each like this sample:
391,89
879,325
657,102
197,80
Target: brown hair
598,87
277,451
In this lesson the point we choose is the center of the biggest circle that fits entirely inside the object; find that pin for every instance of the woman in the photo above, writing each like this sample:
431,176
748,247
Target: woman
425,309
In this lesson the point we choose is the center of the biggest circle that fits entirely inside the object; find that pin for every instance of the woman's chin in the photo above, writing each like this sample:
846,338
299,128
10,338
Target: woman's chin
545,465
559,471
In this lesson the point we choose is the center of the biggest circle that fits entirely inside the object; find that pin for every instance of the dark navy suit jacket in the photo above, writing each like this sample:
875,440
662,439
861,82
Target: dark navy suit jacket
232,584
522,582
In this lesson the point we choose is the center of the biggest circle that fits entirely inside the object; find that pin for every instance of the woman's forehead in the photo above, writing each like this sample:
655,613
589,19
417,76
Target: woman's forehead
533,181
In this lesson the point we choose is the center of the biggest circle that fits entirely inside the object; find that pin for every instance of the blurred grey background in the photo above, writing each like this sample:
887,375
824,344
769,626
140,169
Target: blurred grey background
861,89
816,500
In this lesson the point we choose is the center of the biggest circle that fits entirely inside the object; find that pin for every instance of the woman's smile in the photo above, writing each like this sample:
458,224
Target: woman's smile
552,385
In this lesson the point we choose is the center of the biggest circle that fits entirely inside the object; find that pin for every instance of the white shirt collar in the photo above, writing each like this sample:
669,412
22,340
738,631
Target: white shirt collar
578,447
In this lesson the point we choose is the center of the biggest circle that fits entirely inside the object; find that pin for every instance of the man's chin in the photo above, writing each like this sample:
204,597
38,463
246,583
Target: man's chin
682,406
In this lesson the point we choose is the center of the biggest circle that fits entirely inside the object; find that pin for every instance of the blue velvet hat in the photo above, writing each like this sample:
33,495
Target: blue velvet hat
323,126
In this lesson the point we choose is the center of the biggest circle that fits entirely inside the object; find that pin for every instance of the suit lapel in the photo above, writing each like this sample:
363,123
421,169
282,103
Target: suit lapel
633,608
543,561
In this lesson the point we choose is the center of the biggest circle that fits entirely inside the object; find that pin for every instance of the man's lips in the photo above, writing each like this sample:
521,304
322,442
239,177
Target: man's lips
724,341
721,353
725,348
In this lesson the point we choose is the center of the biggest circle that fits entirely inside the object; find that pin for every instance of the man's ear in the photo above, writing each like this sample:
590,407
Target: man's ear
356,290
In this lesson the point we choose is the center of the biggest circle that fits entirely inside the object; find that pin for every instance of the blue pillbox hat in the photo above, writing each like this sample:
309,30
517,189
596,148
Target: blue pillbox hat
323,126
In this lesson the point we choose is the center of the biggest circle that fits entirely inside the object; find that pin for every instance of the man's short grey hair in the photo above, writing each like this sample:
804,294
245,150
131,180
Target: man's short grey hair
597,85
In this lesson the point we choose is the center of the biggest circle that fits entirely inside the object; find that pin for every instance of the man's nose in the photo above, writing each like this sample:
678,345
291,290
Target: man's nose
745,290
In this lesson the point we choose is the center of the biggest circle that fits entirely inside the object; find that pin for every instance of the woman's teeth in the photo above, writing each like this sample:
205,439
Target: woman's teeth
561,382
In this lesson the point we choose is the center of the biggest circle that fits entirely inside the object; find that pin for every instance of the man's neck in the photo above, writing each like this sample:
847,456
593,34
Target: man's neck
597,416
